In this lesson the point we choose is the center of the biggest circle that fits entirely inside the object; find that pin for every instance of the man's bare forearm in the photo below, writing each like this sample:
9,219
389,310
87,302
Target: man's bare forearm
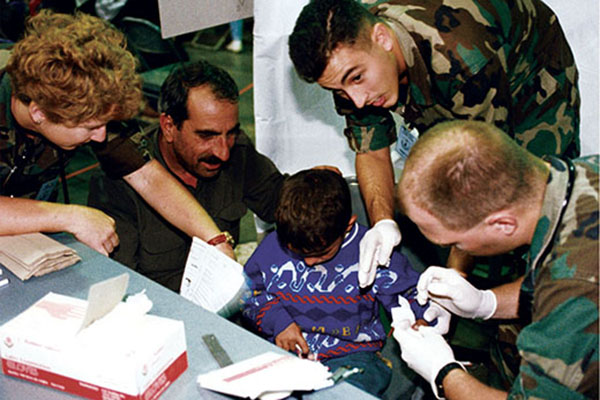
459,385
174,202
376,180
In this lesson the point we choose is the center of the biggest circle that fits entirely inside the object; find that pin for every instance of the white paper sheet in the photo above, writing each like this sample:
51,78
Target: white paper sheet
269,375
211,279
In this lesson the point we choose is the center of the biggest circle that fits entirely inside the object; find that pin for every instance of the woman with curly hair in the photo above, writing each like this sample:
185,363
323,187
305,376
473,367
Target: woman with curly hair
64,82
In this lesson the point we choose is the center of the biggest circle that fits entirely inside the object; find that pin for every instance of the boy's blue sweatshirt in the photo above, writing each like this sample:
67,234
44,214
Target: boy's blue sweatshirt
325,300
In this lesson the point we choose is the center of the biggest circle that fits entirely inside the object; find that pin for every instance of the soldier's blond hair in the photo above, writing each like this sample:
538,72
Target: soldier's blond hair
462,171
75,68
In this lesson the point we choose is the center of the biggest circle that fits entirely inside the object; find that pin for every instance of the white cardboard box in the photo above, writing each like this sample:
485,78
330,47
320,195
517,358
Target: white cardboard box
46,345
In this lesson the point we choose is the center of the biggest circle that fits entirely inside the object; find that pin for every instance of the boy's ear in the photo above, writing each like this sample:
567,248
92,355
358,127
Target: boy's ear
381,35
351,222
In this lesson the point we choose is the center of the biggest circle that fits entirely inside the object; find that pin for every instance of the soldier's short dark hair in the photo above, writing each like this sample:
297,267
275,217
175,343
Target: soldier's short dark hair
462,171
174,90
320,28
313,211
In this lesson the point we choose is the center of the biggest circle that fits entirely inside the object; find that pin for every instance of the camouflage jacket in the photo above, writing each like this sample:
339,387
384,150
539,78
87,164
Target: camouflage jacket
30,165
504,62
559,348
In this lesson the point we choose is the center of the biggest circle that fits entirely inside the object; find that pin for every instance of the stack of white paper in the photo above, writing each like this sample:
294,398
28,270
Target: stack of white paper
269,375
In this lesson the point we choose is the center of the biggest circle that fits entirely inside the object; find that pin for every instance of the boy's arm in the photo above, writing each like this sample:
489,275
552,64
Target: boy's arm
399,279
263,309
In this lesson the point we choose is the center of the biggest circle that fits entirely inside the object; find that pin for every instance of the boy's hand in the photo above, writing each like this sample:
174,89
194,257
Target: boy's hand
291,339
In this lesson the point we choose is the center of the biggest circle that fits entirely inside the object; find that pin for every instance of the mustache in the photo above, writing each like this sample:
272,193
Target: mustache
211,160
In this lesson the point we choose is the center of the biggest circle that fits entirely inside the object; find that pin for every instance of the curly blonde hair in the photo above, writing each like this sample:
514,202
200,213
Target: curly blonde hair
75,68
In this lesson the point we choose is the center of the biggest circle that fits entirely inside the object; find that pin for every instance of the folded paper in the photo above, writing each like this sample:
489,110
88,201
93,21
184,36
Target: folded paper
34,254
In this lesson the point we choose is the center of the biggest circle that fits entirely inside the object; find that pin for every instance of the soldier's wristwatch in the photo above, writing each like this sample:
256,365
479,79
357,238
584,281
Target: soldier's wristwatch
222,238
439,379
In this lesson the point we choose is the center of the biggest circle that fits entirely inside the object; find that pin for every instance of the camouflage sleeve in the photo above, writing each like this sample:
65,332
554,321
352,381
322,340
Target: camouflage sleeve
560,351
121,153
5,113
487,60
367,129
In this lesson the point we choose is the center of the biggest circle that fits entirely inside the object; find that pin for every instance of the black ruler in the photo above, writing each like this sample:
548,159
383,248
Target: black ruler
217,351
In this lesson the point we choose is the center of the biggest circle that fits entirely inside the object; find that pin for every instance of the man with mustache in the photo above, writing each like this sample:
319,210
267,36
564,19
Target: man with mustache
200,142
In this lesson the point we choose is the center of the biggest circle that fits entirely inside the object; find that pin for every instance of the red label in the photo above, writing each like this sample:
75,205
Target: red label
89,390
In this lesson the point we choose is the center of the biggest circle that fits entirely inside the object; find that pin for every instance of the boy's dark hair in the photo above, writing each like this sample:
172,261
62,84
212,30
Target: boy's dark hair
174,90
320,28
313,211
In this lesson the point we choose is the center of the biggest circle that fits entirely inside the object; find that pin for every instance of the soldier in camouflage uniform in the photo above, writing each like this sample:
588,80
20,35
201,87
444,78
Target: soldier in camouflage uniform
507,63
466,183
60,86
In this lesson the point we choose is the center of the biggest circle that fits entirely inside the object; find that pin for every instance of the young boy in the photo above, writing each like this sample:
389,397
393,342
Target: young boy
304,281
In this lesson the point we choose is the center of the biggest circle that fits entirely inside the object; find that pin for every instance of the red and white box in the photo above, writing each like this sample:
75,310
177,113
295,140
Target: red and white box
123,355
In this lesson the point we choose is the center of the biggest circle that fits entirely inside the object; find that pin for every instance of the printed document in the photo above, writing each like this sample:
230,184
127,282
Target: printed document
211,279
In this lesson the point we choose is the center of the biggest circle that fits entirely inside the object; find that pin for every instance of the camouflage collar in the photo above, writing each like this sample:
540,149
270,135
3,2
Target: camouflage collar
557,193
419,83
556,198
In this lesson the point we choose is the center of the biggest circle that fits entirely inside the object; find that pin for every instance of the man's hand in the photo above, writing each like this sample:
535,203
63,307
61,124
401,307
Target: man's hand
447,288
291,339
94,228
376,249
443,316
404,313
424,350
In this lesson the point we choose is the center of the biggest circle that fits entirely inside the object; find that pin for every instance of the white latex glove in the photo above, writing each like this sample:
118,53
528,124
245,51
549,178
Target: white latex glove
425,351
443,317
446,287
403,312
376,249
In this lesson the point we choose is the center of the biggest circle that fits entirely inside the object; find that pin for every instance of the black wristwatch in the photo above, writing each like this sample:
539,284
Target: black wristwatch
439,379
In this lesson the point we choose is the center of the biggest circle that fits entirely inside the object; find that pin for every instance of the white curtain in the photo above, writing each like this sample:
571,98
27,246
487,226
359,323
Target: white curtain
580,21
296,123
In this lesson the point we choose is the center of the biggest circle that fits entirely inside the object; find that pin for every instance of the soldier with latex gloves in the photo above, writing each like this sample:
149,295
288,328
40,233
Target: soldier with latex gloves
423,347
467,184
